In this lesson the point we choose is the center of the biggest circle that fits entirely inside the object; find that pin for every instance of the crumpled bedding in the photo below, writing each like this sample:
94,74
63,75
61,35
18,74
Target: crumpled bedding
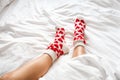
28,26
4,4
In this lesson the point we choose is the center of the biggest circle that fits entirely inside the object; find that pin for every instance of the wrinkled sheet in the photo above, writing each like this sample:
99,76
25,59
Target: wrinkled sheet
28,26
4,4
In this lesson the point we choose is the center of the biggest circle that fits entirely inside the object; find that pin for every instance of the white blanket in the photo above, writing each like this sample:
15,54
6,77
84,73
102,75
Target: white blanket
28,26
4,4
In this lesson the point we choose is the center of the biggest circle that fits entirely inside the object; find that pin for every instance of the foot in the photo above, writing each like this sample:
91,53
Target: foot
58,47
79,35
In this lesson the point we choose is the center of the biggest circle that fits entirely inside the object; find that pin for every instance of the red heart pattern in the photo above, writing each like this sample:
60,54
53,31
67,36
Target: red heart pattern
79,30
58,42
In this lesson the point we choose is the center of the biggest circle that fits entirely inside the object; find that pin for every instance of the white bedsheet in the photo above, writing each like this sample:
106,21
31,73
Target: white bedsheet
4,4
28,26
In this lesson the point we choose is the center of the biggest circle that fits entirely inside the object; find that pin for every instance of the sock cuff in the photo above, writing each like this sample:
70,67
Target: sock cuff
78,43
51,53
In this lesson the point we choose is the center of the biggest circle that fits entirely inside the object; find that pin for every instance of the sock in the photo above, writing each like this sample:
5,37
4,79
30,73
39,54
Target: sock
79,35
58,47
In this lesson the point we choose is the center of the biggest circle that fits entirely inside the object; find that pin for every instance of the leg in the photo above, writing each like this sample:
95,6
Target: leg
1,78
79,50
79,39
38,67
32,70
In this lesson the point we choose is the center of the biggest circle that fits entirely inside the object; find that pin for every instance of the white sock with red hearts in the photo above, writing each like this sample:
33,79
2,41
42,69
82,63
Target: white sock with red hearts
79,35
58,47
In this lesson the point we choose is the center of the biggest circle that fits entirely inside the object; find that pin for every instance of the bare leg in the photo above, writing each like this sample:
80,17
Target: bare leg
39,66
32,70
1,78
79,50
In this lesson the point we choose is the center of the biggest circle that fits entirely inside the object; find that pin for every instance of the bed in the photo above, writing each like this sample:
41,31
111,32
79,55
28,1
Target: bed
28,26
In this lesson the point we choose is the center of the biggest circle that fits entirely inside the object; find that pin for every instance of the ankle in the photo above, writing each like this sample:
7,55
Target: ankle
79,50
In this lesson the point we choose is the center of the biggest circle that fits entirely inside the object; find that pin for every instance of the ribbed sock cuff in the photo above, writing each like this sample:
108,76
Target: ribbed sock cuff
78,43
51,53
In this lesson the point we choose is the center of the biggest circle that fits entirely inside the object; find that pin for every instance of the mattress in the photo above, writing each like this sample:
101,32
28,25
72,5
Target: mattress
27,27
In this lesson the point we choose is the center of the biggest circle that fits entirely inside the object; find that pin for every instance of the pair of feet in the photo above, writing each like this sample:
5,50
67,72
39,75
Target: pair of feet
58,47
